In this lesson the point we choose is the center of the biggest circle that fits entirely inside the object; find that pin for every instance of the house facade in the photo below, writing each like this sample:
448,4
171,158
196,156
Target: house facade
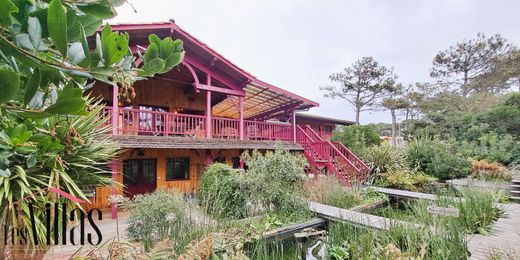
205,110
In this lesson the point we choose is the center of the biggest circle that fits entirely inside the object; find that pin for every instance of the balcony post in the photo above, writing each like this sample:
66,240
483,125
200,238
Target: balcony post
208,109
115,109
113,168
241,108
294,125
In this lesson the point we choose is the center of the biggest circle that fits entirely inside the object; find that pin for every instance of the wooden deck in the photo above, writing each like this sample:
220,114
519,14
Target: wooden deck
354,217
502,243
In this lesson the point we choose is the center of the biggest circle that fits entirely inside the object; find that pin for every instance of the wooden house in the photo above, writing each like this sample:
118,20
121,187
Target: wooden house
203,111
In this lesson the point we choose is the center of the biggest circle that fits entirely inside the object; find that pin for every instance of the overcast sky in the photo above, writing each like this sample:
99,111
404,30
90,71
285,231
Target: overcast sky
297,44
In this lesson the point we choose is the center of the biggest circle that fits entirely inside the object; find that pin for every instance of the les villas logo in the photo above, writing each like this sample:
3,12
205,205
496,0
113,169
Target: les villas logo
20,236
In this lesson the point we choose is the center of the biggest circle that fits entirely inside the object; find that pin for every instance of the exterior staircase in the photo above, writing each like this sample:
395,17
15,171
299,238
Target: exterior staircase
333,157
515,190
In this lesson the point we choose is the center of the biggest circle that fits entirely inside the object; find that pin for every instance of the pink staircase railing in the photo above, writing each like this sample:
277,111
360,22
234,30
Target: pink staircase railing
346,166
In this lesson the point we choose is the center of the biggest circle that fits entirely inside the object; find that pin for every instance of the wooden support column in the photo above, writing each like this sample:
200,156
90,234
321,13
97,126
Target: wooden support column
241,108
208,109
294,125
114,167
115,109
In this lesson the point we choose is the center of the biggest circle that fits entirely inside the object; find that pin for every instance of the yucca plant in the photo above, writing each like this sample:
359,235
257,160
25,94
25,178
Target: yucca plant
66,152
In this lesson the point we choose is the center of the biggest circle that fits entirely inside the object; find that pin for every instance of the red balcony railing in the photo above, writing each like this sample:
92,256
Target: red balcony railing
144,122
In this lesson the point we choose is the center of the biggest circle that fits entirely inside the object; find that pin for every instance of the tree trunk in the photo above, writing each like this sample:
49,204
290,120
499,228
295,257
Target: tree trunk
394,142
358,111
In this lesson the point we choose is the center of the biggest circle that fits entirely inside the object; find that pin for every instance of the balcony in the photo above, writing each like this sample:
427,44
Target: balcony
155,123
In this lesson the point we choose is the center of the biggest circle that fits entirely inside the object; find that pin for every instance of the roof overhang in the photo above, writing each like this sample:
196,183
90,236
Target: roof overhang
261,99
323,119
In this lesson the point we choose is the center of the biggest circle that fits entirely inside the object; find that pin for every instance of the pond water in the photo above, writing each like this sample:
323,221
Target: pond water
288,248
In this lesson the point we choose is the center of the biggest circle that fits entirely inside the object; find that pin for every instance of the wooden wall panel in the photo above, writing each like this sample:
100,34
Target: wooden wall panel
157,92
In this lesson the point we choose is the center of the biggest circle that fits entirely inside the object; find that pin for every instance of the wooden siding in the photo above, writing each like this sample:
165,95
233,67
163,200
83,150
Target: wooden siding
157,92
197,167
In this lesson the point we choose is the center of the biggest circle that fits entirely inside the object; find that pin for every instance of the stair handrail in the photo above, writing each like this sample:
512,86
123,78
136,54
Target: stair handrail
353,155
318,137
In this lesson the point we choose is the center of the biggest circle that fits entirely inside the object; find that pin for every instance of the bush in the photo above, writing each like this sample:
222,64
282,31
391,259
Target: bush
404,180
273,182
492,147
356,137
222,192
384,158
489,171
435,158
160,215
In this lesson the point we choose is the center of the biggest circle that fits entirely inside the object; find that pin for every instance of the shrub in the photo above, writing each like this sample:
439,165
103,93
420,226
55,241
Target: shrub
275,179
405,180
356,137
222,192
435,158
384,158
492,147
273,182
489,171
160,215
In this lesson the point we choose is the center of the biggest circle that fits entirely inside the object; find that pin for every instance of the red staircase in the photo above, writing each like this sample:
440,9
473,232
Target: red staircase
332,156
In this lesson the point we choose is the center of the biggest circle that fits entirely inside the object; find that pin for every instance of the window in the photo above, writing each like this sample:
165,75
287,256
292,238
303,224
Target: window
328,128
236,162
177,168
139,171
219,159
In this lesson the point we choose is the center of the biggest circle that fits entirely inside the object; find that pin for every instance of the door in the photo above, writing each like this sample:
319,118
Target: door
139,176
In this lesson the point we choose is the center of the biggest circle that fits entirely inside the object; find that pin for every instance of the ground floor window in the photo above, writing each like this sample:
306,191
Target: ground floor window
139,176
177,168
219,159
236,162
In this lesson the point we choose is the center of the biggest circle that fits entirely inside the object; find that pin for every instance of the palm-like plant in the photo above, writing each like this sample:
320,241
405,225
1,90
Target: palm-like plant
57,164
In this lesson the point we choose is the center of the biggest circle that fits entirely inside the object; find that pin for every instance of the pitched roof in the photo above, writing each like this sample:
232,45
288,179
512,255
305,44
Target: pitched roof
323,119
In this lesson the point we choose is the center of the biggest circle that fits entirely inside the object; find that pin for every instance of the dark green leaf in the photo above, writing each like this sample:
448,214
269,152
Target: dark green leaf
6,9
102,10
84,45
18,130
70,101
9,84
31,86
114,45
57,26
90,24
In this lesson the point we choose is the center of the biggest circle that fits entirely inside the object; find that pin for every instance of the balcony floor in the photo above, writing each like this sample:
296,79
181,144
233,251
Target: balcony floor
172,142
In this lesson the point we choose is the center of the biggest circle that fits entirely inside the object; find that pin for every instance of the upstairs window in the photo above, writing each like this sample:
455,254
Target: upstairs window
177,168
329,128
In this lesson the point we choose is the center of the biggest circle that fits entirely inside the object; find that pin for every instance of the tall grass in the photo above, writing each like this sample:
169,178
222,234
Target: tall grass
446,241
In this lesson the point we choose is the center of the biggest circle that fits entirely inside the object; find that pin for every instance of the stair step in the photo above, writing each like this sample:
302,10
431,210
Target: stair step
515,185
515,191
516,181
515,198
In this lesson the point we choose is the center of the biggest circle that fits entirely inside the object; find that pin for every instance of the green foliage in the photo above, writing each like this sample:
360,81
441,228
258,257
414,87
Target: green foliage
356,137
273,182
223,193
50,133
405,180
384,158
161,215
330,191
436,158
492,147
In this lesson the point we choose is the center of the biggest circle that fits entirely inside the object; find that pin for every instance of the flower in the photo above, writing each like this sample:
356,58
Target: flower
171,217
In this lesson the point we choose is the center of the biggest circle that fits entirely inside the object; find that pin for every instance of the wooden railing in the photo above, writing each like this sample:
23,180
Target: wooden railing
144,122
352,157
